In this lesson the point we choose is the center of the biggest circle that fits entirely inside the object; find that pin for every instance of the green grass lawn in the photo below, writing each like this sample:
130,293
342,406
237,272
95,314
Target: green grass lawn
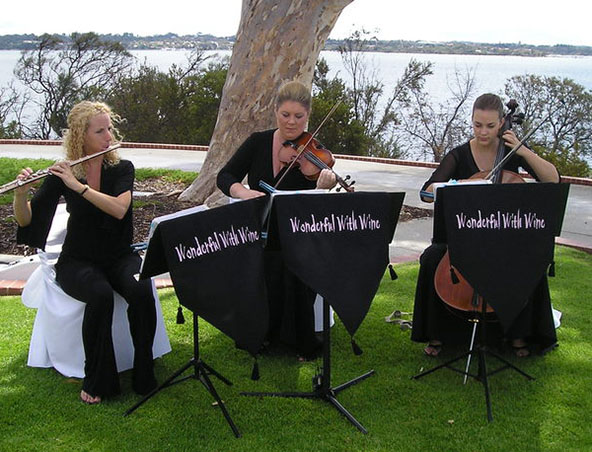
40,411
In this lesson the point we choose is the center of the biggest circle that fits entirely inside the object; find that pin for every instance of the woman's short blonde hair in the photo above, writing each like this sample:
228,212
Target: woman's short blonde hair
78,122
296,92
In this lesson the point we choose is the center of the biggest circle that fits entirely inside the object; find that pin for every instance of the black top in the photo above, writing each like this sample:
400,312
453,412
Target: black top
460,164
92,234
254,158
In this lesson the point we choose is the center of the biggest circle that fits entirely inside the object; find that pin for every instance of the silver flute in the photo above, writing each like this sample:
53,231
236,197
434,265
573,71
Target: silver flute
40,174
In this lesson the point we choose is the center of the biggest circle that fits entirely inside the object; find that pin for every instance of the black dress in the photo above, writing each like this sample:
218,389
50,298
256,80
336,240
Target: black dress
434,320
291,302
95,260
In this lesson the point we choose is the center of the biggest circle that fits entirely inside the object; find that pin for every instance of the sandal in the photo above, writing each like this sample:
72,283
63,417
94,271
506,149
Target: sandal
403,324
521,351
433,350
395,315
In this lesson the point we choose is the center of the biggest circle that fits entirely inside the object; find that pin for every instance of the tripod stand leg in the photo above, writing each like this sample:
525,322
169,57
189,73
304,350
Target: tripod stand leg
510,365
322,382
205,380
333,401
169,381
441,366
485,382
347,384
200,372
216,374
470,353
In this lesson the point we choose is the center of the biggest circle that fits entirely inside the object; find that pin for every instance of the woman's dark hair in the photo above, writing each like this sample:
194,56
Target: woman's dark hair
489,102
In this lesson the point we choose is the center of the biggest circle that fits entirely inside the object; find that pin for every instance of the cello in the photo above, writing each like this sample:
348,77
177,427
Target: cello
449,283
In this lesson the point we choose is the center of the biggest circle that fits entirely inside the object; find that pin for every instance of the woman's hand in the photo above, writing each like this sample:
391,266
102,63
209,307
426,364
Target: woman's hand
64,172
23,175
511,140
238,190
545,170
20,204
326,180
250,194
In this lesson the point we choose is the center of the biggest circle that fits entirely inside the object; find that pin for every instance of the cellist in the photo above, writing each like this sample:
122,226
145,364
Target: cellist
433,321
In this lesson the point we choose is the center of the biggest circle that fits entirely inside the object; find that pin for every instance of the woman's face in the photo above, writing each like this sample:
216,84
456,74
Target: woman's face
486,125
291,117
98,136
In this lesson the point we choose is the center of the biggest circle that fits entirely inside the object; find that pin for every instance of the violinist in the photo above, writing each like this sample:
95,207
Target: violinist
433,321
258,158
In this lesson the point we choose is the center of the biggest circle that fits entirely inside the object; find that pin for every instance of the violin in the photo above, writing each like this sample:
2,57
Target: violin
449,283
310,157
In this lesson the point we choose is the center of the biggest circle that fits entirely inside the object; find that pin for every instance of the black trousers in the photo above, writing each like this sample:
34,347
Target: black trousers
93,285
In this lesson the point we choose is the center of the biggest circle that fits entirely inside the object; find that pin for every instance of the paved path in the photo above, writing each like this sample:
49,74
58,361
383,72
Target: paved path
410,237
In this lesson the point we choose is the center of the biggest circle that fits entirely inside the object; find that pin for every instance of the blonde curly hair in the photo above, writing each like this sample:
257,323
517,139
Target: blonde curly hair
78,122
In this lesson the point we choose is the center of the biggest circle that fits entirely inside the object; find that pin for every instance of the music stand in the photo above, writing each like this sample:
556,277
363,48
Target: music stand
352,291
554,198
201,372
156,262
321,383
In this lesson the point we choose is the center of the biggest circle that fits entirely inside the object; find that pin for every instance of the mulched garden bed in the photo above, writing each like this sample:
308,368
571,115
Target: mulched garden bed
162,200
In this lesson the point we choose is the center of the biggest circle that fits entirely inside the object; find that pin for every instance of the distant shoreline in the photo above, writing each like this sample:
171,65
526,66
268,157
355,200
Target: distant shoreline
172,41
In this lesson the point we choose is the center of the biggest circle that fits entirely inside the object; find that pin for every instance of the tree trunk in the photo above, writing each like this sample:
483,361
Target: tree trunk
277,41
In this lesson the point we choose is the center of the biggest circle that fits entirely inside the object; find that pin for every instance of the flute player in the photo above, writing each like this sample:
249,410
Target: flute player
96,257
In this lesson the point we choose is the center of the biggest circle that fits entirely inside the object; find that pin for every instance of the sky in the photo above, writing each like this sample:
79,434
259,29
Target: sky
525,21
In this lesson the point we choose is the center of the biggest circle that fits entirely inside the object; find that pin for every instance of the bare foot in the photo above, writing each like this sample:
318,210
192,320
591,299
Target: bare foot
88,399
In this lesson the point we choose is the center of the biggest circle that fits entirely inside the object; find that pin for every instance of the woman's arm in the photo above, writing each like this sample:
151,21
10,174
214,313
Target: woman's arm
545,171
230,177
238,190
34,217
116,206
445,171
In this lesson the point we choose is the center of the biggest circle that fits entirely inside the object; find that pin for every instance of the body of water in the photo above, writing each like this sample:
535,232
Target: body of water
490,72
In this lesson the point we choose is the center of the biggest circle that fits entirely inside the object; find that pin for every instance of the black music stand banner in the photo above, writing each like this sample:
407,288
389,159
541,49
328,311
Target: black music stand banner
215,259
501,238
338,244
